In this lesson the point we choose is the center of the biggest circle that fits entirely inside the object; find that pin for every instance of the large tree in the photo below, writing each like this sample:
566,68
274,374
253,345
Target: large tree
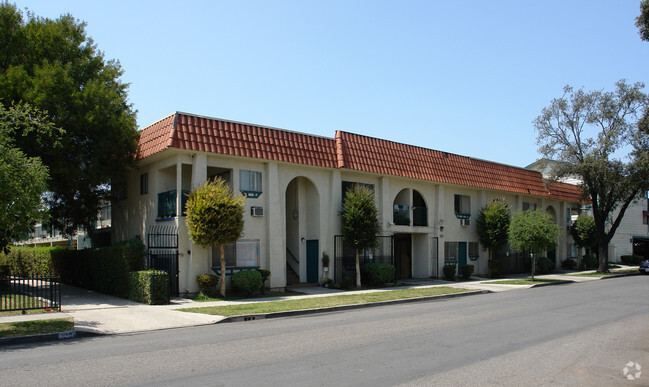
23,179
360,222
533,231
215,217
594,135
642,22
492,225
56,67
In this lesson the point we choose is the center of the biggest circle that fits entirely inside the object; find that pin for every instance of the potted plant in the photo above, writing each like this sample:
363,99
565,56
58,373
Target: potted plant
325,260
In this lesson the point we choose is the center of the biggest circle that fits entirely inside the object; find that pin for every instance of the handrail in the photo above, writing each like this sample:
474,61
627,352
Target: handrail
292,256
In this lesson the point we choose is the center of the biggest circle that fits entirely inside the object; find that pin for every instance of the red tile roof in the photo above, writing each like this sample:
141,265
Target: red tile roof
347,150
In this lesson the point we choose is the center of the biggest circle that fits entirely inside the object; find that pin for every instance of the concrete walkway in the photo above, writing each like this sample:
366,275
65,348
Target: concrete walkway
102,314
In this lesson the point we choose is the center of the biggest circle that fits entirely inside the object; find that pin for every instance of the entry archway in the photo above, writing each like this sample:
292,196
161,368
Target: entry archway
302,231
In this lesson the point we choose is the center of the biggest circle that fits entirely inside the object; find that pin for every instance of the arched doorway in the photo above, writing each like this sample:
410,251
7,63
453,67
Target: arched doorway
302,231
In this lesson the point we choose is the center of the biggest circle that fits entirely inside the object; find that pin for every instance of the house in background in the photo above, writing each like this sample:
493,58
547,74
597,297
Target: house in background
632,236
294,184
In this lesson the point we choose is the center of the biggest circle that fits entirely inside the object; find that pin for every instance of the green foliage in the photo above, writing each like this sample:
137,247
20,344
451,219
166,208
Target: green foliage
149,287
583,131
642,21
360,222
207,284
449,272
493,224
55,67
28,261
495,268
214,214
632,260
347,283
247,282
583,231
378,274
588,262
533,230
544,265
467,270
265,274
569,264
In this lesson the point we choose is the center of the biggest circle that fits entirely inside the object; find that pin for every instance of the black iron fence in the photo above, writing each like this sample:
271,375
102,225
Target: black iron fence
345,257
29,293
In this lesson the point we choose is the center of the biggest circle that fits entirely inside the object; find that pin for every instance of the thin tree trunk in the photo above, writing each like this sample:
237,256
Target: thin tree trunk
533,265
358,271
222,270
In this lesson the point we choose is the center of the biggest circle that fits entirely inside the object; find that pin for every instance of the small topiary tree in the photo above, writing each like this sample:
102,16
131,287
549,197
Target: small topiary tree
360,222
492,225
247,282
534,231
215,217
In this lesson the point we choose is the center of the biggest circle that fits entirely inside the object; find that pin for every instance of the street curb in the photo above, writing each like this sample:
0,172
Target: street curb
562,282
621,275
59,336
302,312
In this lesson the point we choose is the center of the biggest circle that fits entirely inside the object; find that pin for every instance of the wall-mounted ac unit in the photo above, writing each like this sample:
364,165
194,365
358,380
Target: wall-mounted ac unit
465,222
257,211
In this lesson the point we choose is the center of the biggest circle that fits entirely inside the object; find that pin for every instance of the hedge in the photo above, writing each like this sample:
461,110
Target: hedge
632,260
449,272
28,261
544,265
149,287
247,282
377,274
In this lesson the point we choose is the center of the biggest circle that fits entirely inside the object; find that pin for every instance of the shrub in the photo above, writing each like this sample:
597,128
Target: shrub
568,264
247,282
589,262
495,268
29,261
544,265
207,284
377,274
347,283
149,287
265,274
449,272
467,270
632,260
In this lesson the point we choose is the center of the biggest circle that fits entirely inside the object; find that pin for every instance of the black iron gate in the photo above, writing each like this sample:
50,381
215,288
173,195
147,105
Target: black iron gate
345,257
162,253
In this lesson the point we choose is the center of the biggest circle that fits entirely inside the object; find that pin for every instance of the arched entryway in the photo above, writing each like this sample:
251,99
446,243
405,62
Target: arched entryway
302,231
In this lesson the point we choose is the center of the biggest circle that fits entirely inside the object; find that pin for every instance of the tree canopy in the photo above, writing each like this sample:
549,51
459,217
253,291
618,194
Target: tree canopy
57,68
594,135
533,231
23,179
360,222
215,217
493,224
583,232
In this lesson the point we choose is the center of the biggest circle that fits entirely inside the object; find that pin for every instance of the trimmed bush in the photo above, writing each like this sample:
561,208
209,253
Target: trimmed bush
544,265
495,268
207,283
29,261
247,282
569,264
589,262
632,260
467,270
265,274
149,287
449,272
377,274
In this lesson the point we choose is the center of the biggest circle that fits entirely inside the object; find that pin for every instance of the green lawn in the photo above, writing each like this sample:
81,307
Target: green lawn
37,327
203,298
323,302
527,281
613,272
11,300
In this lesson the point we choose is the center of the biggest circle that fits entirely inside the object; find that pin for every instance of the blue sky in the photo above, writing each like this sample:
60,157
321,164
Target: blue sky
466,77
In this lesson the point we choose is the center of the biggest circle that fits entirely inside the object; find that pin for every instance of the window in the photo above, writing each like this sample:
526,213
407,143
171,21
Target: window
645,217
450,252
462,206
167,203
242,253
572,250
401,215
529,206
250,183
144,184
474,251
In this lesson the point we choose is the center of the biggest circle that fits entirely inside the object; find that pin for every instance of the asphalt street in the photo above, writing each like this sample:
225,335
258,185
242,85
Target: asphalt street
577,334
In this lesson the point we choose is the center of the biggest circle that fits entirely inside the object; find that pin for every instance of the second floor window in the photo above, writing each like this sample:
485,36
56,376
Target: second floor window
250,183
462,206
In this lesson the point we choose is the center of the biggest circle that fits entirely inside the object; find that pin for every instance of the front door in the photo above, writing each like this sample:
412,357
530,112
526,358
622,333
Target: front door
403,255
461,256
312,260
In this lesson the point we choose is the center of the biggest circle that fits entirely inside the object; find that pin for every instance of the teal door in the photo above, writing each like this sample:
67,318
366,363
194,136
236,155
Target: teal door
312,260
461,257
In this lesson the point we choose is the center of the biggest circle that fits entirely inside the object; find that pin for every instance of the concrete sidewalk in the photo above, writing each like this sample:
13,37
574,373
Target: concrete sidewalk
102,314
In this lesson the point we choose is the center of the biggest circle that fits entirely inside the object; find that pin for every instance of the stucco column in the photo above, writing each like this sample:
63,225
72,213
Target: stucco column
199,258
276,226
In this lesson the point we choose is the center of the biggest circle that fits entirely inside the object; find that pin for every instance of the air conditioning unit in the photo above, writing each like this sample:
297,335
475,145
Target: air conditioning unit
257,211
465,222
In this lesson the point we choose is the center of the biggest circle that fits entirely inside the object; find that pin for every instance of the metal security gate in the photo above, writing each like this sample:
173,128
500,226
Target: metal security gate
345,257
162,253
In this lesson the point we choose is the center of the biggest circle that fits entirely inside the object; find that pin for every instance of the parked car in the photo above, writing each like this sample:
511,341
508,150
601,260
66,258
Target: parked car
644,267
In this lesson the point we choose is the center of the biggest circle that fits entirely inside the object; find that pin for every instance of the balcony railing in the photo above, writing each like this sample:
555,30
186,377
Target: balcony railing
420,216
401,215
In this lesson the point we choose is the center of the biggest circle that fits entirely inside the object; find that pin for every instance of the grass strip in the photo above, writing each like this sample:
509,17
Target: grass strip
613,272
323,302
527,281
36,327
203,298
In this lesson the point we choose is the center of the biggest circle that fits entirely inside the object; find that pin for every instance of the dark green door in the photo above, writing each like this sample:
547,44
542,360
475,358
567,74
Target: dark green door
312,260
461,256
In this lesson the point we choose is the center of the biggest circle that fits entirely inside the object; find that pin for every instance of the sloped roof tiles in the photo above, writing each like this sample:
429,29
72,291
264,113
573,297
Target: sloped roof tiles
347,151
